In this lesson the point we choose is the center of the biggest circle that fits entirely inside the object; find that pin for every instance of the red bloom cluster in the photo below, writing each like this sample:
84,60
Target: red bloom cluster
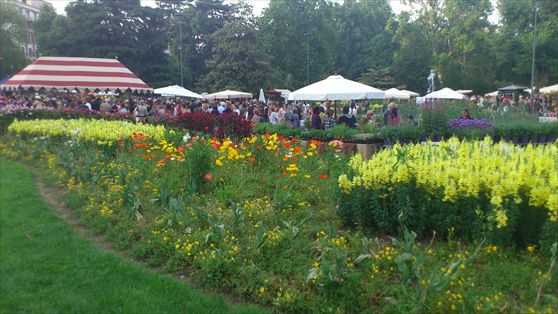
220,126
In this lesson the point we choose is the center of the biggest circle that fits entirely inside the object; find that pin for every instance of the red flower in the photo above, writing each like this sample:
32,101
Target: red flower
208,176
324,176
155,169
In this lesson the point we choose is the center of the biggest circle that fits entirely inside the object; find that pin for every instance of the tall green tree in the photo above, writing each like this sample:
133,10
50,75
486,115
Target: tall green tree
237,62
198,22
12,35
459,36
299,35
515,42
412,59
363,41
110,29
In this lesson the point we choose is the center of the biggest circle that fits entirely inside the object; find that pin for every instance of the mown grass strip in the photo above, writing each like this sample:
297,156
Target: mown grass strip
45,267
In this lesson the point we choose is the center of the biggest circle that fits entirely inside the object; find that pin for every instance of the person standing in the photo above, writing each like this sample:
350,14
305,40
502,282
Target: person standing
347,119
391,116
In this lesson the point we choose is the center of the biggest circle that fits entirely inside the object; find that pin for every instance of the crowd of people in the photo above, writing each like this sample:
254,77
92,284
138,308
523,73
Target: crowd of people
543,105
321,115
295,115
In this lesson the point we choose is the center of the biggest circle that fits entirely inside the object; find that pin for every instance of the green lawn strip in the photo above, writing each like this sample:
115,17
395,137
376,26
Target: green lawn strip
46,267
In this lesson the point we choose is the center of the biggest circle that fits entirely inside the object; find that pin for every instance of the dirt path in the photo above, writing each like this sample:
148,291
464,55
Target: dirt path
52,196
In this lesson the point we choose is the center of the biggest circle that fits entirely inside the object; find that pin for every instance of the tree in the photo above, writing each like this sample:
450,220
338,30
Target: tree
378,77
412,60
12,35
363,41
299,35
110,29
515,42
459,36
237,63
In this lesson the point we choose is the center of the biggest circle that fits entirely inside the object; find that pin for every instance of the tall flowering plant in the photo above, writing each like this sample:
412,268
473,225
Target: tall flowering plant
221,126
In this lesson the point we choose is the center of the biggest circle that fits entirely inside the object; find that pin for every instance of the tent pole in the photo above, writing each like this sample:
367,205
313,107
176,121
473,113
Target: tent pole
335,113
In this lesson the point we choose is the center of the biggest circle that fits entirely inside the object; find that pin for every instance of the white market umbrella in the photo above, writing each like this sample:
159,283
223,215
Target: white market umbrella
445,93
493,94
262,96
394,93
464,91
336,87
549,89
176,90
410,93
228,94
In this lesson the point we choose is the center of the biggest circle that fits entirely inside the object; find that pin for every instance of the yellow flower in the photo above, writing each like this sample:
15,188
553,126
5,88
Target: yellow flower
531,248
218,162
262,290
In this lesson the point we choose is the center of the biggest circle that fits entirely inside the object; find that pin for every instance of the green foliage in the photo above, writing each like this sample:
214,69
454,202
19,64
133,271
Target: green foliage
109,29
235,47
12,35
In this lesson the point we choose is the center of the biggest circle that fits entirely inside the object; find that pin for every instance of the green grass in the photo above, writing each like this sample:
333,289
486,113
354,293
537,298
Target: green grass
46,267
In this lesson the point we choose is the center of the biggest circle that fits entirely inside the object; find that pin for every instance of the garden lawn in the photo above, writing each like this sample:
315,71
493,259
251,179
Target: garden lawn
45,267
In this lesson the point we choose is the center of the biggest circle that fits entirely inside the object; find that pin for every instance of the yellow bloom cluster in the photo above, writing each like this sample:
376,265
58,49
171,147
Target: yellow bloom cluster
100,131
466,169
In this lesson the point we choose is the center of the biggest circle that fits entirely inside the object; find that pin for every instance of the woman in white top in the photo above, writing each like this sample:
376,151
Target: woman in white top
273,116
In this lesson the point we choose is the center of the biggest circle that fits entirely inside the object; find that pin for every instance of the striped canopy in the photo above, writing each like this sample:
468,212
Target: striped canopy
69,73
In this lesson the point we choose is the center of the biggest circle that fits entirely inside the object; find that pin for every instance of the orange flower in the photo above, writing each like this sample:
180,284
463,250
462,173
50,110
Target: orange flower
287,144
298,149
267,135
252,159
281,137
324,176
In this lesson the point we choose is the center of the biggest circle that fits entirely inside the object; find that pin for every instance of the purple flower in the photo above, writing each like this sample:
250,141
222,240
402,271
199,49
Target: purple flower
470,123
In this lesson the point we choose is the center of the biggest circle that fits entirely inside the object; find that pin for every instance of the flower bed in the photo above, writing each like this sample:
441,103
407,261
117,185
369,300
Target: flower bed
227,125
255,217
459,189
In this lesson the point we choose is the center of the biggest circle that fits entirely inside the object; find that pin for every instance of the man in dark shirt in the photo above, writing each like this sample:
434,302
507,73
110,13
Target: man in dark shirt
96,103
347,119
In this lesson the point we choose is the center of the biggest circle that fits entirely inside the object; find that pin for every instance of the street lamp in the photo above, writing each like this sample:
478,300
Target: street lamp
534,47
180,51
307,35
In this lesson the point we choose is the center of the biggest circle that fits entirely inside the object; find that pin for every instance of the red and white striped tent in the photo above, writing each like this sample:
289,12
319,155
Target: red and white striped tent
69,73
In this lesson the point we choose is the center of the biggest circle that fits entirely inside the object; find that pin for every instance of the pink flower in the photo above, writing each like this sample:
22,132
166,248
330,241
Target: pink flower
155,169
208,176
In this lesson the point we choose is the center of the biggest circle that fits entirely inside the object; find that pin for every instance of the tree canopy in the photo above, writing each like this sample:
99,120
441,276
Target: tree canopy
297,42
12,35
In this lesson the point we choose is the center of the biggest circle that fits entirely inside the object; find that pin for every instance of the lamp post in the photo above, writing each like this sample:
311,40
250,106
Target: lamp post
307,35
534,47
180,52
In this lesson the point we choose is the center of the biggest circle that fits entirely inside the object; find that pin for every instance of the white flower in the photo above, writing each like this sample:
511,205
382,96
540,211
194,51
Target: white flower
186,137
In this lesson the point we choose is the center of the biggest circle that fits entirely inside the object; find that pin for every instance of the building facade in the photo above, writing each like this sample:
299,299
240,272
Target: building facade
30,10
